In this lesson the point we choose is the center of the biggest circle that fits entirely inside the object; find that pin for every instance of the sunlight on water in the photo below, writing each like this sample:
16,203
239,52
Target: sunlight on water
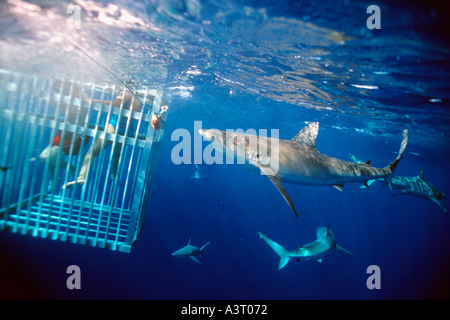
251,49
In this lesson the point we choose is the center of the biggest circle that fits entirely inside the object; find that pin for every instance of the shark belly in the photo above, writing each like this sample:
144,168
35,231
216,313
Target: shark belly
314,168
186,251
314,250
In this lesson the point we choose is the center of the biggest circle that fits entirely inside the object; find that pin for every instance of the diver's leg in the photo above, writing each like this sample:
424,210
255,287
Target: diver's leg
50,154
87,162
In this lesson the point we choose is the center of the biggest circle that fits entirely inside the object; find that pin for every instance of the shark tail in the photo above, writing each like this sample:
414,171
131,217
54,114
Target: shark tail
280,250
391,167
203,248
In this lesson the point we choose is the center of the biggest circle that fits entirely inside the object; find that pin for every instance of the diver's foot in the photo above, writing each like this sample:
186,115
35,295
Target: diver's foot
70,184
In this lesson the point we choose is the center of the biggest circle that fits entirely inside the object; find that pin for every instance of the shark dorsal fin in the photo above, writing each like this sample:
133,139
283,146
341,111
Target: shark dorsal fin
190,239
421,174
328,231
308,135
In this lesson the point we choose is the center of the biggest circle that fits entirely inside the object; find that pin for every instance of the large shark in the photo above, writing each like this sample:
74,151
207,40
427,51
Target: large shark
317,249
299,162
417,186
190,251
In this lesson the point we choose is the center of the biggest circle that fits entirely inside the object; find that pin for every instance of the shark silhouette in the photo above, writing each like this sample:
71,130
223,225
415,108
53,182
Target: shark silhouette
324,245
299,162
197,174
190,251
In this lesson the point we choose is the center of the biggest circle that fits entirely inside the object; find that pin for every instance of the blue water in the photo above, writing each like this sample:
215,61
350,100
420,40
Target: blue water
262,65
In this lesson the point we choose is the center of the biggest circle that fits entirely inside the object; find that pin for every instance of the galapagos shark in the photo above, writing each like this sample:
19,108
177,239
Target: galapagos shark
197,174
417,186
317,249
298,160
190,251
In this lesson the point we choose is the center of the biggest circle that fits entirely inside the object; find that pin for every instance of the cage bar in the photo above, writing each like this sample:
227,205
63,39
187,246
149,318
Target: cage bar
48,129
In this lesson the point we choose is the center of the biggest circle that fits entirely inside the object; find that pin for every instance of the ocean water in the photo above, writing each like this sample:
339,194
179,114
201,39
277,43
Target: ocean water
261,65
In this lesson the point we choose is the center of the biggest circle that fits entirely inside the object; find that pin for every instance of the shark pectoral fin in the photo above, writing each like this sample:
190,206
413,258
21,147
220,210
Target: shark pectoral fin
343,250
283,261
195,259
367,183
439,203
277,182
203,248
388,182
319,260
285,195
338,186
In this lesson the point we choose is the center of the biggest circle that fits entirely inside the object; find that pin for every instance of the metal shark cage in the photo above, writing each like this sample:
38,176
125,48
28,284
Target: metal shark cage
47,129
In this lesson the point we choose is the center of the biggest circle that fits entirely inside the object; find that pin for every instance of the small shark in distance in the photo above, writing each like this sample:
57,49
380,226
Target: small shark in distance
317,249
190,251
197,174
299,162
417,186
368,182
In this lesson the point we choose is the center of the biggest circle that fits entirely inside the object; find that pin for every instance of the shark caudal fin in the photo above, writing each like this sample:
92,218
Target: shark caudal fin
281,251
391,167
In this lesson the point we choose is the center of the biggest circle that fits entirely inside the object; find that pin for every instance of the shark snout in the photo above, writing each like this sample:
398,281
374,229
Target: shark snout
211,134
205,134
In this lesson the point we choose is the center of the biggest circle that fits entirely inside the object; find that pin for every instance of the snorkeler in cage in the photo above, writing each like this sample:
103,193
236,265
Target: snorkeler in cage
126,100
62,142
51,121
